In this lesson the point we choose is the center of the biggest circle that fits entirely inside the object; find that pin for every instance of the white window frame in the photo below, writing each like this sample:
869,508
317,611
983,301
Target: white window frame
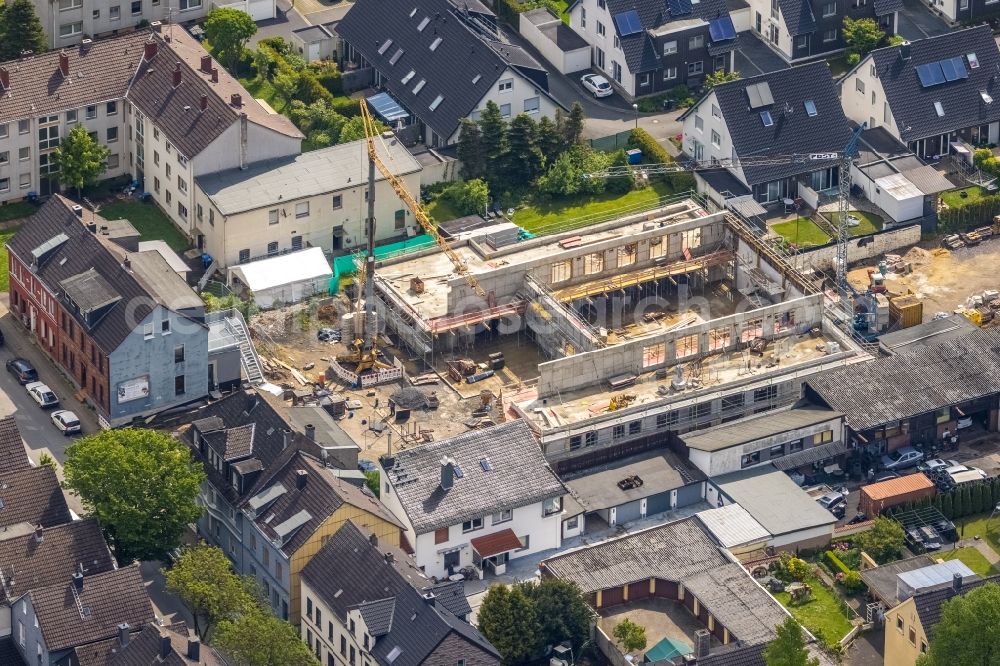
670,48
67,30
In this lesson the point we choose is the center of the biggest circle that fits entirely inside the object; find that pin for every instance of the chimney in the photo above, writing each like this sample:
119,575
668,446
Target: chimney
206,64
389,558
38,534
956,582
702,643
78,581
203,104
236,100
92,227
311,431
78,210
126,263
4,79
123,634
301,476
215,75
177,74
904,51
447,473
194,649
64,63
165,647
286,439
149,50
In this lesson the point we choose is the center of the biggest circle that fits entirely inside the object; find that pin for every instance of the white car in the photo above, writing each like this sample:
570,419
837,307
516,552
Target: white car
597,84
42,394
66,421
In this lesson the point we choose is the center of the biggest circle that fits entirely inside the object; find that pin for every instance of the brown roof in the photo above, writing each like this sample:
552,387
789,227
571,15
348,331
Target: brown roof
12,454
503,541
27,563
899,486
32,496
99,72
144,648
69,618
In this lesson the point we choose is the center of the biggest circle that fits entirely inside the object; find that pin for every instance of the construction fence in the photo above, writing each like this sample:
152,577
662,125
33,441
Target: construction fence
611,143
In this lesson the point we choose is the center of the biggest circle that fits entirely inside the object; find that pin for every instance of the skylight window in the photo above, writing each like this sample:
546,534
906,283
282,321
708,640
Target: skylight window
396,56
939,109
437,102
810,108
410,75
765,117
423,23
986,96
385,46
436,43
973,61
475,79
420,86
413,13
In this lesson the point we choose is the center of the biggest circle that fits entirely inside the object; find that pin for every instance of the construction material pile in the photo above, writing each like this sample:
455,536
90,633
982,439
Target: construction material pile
409,398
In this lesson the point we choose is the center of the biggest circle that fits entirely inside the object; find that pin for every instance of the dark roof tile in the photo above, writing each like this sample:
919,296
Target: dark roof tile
32,496
928,604
13,456
639,49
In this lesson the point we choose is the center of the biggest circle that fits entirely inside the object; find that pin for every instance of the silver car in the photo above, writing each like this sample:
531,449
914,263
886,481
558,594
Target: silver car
902,458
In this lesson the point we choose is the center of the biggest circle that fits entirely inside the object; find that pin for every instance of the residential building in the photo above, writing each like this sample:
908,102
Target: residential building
478,499
51,623
169,645
909,627
121,324
786,112
788,439
293,508
964,12
13,455
69,22
646,47
31,497
316,199
440,64
362,604
930,94
46,95
799,30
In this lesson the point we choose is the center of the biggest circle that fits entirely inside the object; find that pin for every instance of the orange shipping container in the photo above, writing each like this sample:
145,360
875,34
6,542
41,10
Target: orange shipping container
877,497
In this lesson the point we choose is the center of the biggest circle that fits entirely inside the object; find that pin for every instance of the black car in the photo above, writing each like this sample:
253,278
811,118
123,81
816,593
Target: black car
946,529
22,370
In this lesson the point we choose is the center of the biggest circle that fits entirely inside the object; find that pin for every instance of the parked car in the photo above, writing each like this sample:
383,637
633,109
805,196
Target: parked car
835,503
42,394
959,469
66,421
963,423
902,458
922,539
935,466
22,370
597,84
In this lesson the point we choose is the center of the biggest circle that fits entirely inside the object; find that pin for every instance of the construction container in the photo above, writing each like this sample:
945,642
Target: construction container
906,311
877,497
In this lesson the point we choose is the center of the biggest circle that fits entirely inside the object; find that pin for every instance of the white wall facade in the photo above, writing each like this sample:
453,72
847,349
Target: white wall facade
864,100
699,142
70,21
564,61
585,18
762,8
511,102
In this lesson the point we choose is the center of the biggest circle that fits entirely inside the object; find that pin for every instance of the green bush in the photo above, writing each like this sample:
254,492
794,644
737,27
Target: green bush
329,76
345,106
836,562
276,44
852,582
652,151
467,196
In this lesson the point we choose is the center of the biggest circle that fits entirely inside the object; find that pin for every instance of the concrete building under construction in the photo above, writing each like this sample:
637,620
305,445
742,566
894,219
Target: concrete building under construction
665,321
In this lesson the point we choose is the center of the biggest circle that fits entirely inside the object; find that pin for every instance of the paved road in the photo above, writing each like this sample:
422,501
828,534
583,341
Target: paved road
917,21
754,57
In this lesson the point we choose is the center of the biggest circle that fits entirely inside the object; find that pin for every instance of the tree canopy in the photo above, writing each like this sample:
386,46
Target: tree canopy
228,30
969,630
203,578
884,541
81,160
140,484
258,638
507,619
630,636
789,647
20,30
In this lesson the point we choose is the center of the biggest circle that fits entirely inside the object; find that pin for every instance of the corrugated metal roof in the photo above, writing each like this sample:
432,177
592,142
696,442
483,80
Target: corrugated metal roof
935,574
757,427
732,525
893,487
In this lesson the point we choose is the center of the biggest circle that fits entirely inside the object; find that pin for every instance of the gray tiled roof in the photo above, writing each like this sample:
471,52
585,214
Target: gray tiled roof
13,457
519,476
798,16
234,443
32,496
886,7
928,604
349,572
913,383
378,615
912,105
793,130
9,656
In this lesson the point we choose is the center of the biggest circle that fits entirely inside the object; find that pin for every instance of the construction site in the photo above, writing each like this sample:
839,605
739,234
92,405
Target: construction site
604,339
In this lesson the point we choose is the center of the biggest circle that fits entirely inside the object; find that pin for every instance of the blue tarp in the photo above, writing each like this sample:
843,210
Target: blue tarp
387,108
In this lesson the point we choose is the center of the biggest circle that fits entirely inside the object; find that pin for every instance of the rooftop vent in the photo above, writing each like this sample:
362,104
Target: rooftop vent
904,51
123,634
177,74
631,482
194,649
206,64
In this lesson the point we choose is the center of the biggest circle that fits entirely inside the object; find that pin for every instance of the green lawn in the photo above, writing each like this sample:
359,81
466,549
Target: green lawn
265,91
954,198
440,210
838,66
801,231
973,526
972,559
821,615
16,211
870,223
554,216
151,222
5,235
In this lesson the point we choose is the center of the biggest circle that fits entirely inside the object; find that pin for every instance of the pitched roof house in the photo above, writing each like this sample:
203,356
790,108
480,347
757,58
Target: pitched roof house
931,93
480,498
154,645
32,497
369,595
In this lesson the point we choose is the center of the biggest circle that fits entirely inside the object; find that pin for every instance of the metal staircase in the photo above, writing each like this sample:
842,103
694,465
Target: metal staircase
236,327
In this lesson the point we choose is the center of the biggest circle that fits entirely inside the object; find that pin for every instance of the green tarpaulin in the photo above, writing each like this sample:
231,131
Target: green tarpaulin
668,648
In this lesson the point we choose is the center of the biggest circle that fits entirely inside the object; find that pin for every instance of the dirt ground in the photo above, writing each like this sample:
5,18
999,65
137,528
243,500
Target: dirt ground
942,279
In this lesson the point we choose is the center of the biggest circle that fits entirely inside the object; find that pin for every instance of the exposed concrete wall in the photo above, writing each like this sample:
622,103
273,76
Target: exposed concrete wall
823,257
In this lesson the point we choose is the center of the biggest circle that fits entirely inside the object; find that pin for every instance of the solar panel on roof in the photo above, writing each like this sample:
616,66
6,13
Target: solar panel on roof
930,74
759,94
721,29
955,69
679,7
628,23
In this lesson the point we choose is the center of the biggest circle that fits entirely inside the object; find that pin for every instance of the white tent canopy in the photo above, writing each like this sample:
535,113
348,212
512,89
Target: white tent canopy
287,278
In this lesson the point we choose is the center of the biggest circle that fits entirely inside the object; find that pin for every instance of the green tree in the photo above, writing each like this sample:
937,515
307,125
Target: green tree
493,129
797,568
720,76
354,129
573,126
80,159
620,184
140,484
468,196
286,84
884,541
788,647
549,139
947,507
228,30
862,35
525,161
258,638
263,61
374,482
203,578
958,503
562,611
20,30
470,150
630,636
45,460
508,620
969,630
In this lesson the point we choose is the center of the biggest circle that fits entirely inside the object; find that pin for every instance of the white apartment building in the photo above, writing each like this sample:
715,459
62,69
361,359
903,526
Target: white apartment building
69,22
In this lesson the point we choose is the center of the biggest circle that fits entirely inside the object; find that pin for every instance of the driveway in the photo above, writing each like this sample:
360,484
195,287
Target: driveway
917,21
754,57
287,20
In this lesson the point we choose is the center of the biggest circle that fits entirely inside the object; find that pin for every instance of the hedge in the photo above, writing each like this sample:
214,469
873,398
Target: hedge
975,213
836,562
654,153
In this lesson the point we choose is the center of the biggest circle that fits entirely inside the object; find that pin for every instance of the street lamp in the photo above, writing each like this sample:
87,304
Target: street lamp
635,107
